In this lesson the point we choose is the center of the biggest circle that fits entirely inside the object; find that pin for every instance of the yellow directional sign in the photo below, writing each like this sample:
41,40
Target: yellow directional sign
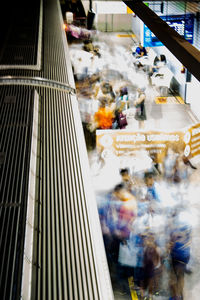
129,11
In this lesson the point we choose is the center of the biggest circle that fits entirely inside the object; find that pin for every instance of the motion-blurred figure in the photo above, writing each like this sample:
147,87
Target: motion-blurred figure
169,164
103,118
140,108
152,187
123,99
183,169
127,180
105,90
127,212
119,121
140,51
180,256
152,266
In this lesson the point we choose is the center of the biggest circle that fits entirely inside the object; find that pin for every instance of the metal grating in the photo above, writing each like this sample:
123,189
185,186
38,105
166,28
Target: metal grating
55,60
65,252
20,42
23,55
15,129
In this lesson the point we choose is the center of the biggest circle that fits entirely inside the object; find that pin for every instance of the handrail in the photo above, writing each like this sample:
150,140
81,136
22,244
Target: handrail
36,81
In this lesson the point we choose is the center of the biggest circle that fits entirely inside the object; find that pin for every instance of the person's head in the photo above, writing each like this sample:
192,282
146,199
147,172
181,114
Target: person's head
141,89
162,58
140,45
94,78
86,42
149,179
103,102
106,87
123,91
125,173
150,237
122,193
96,50
119,190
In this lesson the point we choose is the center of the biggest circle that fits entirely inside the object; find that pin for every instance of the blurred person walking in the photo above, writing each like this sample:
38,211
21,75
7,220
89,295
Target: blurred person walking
169,164
103,118
140,114
126,215
152,187
182,171
104,90
120,216
123,99
127,212
152,266
127,180
119,121
180,255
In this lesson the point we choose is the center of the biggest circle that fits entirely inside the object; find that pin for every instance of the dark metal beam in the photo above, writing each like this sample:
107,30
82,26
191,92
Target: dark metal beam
187,54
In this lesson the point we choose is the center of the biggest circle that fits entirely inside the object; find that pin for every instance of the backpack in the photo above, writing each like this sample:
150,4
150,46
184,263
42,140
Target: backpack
180,252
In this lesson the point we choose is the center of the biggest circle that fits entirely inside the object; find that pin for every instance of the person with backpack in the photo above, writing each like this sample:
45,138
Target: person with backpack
152,266
180,256
119,121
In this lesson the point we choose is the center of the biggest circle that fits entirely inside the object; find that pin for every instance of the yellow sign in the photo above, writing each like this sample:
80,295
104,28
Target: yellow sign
129,11
125,143
192,141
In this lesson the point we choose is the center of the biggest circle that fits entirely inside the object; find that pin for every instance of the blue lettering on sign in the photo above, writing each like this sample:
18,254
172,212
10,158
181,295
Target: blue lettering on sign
183,24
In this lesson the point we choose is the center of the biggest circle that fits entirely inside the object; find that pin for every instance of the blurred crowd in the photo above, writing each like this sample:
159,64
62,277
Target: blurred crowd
111,83
145,231
108,93
146,227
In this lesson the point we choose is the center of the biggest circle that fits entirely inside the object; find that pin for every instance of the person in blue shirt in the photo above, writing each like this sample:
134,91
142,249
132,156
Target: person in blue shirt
140,51
180,256
127,180
151,187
